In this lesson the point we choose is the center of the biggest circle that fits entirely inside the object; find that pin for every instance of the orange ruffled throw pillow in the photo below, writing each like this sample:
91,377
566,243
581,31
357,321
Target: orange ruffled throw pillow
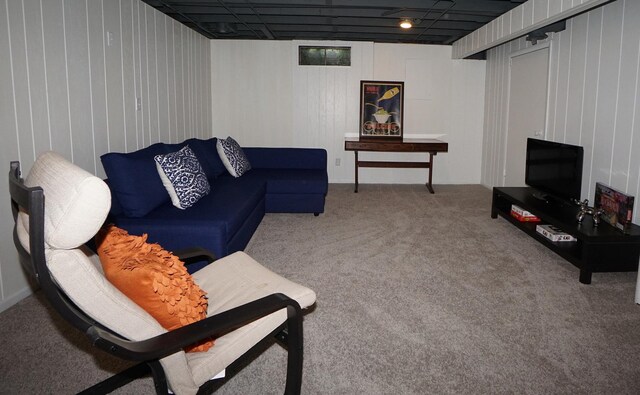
153,278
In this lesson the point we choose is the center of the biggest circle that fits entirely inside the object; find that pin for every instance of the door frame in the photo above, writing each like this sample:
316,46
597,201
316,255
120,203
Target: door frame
543,45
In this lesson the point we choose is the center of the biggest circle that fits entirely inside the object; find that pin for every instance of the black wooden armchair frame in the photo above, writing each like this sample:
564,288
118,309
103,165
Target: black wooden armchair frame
148,352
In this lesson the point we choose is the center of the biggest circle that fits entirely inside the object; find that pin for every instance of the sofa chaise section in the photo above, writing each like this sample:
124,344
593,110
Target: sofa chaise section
296,178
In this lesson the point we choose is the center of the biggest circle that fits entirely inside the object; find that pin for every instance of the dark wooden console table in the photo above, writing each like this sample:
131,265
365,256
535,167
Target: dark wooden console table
432,146
600,248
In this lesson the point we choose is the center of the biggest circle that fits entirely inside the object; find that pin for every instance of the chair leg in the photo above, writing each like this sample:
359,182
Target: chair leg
295,348
159,378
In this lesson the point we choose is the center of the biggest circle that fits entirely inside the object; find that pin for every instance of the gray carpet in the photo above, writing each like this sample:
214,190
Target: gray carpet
417,294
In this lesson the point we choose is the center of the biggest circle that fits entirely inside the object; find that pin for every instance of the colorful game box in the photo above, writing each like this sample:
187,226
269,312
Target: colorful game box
617,206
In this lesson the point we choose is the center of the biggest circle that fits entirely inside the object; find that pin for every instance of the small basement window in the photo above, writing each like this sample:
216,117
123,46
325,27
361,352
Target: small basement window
324,56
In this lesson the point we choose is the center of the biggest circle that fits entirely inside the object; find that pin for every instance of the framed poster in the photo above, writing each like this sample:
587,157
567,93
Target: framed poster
381,108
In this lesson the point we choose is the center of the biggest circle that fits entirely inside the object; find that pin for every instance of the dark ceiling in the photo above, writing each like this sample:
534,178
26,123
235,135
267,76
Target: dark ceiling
435,22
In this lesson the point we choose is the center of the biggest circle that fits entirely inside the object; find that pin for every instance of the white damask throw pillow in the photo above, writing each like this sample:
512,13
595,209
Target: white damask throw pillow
183,177
233,157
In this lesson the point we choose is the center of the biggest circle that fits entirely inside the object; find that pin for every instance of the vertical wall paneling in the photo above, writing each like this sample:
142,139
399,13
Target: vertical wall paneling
264,98
189,75
161,78
540,10
253,95
20,79
12,282
633,183
56,76
129,74
590,105
560,93
70,76
98,97
573,85
171,80
593,97
527,14
79,72
113,77
552,95
152,75
607,93
189,55
144,74
32,25
627,80
180,109
555,7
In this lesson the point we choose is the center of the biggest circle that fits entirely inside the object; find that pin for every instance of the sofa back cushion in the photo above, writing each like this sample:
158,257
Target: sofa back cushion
208,157
133,178
286,158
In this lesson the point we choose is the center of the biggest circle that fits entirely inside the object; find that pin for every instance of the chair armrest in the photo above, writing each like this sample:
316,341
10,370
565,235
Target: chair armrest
195,254
215,326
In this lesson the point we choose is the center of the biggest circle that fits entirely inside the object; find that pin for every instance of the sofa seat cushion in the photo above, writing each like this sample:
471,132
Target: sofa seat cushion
292,181
219,214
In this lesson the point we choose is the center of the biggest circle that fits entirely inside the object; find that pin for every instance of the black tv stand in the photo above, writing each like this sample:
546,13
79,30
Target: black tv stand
541,196
597,249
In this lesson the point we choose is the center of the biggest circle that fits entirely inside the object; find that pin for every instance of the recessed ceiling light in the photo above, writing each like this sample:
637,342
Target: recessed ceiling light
406,24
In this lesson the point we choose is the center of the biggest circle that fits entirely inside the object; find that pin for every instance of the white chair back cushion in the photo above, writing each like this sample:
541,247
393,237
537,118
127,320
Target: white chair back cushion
76,202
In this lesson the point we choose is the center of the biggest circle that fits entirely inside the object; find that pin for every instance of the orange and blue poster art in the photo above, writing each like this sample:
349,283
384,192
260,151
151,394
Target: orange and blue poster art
381,107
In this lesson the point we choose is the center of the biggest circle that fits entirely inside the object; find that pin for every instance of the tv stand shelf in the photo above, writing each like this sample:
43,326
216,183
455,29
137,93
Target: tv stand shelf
597,249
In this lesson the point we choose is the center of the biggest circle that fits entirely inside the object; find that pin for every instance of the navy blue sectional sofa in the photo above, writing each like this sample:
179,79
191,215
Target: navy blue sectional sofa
281,180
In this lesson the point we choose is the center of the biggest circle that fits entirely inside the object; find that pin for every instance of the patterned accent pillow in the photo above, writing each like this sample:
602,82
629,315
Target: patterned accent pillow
154,279
183,177
233,156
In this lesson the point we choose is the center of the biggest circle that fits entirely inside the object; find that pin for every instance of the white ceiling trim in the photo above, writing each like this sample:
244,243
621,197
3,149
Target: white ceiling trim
527,17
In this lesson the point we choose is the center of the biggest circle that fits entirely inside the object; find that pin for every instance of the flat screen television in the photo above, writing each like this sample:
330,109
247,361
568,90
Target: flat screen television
554,169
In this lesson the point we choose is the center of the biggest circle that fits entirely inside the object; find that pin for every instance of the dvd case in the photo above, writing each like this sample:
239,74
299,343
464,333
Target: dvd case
553,233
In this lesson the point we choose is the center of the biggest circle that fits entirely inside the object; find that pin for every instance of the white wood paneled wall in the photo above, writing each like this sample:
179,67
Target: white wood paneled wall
262,97
444,98
527,17
326,104
251,90
70,75
593,97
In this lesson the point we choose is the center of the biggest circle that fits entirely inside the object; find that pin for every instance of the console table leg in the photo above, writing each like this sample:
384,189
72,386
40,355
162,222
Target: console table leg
585,276
356,189
429,184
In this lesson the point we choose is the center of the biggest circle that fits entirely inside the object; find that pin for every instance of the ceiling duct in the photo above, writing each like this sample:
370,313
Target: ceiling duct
541,34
